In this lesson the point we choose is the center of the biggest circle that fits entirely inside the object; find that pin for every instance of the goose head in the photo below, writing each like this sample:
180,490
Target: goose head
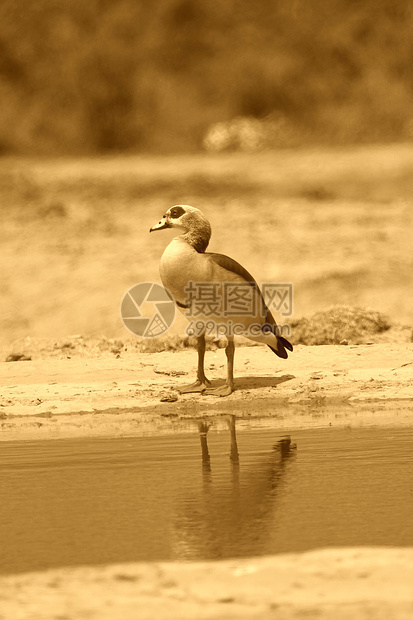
196,228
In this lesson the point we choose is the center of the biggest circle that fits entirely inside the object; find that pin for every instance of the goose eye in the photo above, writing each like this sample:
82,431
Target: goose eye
177,212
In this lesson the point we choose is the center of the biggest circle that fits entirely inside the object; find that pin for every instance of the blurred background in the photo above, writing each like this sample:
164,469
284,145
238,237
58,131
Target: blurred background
289,123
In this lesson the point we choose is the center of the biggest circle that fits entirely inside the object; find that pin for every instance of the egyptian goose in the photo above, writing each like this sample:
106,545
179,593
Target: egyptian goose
215,293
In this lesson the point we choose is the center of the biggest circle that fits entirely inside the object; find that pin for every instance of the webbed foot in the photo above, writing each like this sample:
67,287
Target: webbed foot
222,390
194,388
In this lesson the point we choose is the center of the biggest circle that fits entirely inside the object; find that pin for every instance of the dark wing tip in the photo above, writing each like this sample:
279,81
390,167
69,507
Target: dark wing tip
286,343
280,351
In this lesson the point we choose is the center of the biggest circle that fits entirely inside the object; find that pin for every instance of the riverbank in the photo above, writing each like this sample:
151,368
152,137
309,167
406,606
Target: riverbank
137,392
127,393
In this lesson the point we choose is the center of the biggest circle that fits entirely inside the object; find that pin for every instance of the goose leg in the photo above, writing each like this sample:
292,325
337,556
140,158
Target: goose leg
228,387
201,382
234,456
203,428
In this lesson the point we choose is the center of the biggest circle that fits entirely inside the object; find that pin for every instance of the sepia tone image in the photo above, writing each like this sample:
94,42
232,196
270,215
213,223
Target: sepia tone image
206,344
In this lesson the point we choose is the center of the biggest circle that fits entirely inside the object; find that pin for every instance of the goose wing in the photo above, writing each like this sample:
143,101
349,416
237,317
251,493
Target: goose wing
269,324
231,265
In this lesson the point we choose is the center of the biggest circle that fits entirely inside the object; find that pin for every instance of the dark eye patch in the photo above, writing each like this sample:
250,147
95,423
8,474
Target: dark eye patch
177,212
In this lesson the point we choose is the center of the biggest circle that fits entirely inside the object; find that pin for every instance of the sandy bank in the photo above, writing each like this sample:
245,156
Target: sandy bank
321,385
344,584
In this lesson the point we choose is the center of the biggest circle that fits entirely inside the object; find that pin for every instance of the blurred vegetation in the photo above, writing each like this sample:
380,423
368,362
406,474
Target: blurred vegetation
103,76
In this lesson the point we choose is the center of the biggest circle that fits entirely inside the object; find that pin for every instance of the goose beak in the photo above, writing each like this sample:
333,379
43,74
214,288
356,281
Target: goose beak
160,225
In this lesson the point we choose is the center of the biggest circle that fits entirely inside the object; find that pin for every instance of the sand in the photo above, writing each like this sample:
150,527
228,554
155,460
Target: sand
132,393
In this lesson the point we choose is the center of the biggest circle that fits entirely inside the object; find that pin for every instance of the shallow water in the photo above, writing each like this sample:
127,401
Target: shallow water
212,495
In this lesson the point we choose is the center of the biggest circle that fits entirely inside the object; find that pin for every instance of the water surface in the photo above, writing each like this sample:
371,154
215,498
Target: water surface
202,496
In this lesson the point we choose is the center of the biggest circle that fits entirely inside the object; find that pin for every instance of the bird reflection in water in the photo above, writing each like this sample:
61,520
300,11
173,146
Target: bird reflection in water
234,511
